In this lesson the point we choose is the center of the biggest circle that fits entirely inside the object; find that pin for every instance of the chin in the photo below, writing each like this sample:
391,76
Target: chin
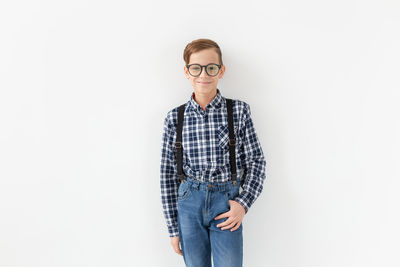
204,88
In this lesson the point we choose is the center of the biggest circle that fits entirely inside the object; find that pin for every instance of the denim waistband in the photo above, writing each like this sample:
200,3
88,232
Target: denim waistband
211,186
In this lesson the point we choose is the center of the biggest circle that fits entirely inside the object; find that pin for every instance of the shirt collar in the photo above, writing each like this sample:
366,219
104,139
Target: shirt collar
215,103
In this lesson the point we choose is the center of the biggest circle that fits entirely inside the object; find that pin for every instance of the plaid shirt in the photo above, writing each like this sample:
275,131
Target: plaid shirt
205,137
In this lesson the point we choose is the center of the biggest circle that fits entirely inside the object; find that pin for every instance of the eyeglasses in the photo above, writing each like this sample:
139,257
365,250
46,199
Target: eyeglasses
196,69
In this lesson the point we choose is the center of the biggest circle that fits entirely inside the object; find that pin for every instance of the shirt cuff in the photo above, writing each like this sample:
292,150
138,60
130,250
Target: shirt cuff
245,199
173,231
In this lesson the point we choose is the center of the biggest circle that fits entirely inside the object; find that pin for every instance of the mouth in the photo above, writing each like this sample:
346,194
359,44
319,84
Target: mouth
204,82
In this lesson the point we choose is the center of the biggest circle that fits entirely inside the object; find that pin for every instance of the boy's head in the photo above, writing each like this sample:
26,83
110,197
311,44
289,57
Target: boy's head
203,52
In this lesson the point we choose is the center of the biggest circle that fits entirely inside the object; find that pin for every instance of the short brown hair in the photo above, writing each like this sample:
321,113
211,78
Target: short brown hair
198,45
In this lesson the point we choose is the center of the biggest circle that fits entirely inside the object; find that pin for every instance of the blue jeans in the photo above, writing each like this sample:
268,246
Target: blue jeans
198,204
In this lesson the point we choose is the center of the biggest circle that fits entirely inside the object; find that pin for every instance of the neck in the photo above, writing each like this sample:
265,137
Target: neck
203,99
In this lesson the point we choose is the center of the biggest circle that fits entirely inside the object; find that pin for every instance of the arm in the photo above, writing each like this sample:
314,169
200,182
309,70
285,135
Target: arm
168,181
255,164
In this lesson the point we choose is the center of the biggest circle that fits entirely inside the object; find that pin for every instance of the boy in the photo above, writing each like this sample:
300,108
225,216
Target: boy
204,209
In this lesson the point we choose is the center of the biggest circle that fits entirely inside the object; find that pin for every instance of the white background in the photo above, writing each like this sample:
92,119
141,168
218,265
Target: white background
85,86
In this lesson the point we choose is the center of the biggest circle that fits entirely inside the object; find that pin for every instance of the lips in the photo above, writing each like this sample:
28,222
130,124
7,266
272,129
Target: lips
204,82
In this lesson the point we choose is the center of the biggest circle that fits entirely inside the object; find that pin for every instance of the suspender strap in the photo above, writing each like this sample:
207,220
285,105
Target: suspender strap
232,141
178,143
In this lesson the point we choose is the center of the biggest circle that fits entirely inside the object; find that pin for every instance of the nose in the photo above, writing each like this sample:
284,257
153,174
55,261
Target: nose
203,72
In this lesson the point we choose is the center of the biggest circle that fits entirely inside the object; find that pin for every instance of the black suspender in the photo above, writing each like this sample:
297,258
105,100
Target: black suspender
178,143
232,142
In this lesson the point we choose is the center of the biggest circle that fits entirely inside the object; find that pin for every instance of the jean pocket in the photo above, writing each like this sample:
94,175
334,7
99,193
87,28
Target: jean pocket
183,191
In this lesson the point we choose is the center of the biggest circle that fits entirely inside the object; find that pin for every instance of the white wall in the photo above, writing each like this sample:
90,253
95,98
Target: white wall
85,86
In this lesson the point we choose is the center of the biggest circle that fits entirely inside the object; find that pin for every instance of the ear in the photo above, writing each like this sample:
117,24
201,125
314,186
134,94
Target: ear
185,70
221,72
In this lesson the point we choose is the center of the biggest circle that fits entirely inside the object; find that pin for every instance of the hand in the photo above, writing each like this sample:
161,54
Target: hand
175,245
235,216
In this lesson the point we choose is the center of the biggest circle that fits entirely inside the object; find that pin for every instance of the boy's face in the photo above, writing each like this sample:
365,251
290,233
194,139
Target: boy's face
204,84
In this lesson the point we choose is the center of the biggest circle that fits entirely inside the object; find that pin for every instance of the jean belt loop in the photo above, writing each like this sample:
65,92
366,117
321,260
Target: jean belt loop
196,185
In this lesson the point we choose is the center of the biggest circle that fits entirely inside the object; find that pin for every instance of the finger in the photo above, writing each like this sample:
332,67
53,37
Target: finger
180,251
236,227
177,249
229,226
222,215
224,223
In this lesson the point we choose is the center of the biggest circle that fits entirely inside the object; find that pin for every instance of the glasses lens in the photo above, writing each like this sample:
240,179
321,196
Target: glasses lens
195,70
212,69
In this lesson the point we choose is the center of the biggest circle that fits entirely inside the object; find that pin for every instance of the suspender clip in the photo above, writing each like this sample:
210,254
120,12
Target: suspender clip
181,177
178,144
232,141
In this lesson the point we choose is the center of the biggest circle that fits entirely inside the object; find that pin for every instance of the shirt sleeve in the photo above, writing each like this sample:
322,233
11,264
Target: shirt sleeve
168,179
255,164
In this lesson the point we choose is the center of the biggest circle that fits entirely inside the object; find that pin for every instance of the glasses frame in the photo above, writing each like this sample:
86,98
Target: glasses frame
204,66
